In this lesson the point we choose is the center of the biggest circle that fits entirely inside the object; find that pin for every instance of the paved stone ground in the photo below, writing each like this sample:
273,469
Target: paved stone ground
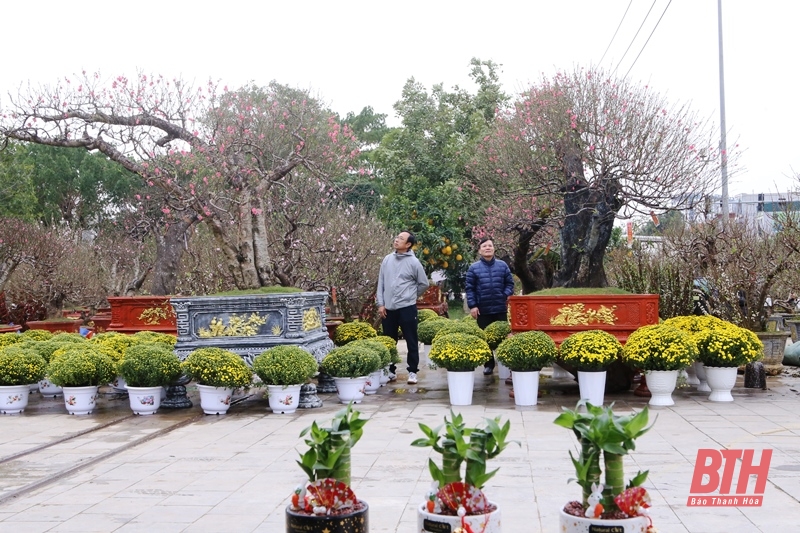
183,471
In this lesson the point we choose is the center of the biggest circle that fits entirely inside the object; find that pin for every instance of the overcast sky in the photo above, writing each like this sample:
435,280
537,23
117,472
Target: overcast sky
358,53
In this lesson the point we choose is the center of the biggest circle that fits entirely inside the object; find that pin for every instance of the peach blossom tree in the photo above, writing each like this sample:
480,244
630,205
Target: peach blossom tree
217,156
590,148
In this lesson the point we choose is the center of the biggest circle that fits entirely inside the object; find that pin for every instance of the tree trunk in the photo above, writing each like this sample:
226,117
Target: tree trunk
169,250
589,221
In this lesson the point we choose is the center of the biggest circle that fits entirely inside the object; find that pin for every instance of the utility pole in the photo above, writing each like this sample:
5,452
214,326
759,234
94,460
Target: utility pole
723,146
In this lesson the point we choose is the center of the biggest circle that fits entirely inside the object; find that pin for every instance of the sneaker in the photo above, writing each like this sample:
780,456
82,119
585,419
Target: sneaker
412,378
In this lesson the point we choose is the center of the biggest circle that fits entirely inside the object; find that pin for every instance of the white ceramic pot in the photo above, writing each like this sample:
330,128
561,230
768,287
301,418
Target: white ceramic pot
526,387
424,350
80,400
350,389
33,387
119,384
215,400
661,384
592,386
691,376
460,385
503,372
14,398
47,389
144,400
721,379
384,376
578,524
283,399
435,523
700,370
373,382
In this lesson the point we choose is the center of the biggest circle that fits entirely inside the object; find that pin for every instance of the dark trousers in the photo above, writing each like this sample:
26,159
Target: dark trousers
404,318
485,320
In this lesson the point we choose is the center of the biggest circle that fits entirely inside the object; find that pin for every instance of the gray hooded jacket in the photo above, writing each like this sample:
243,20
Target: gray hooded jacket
401,280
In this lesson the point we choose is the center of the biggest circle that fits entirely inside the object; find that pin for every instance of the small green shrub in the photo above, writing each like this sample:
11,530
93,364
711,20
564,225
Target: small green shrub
216,367
81,366
428,329
285,365
496,332
350,362
426,314
527,352
150,365
20,366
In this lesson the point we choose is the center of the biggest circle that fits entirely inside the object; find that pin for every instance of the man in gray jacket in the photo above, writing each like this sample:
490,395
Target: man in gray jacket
400,282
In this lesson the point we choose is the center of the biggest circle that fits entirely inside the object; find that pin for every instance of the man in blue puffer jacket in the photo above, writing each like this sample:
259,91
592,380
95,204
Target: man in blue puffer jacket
488,286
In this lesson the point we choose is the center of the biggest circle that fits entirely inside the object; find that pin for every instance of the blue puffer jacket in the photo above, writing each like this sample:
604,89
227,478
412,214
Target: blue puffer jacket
488,286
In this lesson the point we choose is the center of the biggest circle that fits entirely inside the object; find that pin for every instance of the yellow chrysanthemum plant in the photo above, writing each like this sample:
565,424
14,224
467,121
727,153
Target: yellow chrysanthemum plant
216,367
720,343
285,365
20,366
353,331
590,351
728,346
391,345
496,332
149,364
659,347
426,314
427,330
458,326
459,352
527,352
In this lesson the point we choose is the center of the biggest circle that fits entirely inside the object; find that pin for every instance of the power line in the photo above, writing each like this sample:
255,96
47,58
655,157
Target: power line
615,32
648,38
634,37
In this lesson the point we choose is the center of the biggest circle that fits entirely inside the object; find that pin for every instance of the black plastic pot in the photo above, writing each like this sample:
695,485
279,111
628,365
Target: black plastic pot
357,522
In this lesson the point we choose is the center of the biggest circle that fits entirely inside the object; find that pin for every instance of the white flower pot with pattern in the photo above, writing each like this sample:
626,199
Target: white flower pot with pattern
14,398
373,382
215,400
721,380
350,389
580,524
144,400
661,384
283,399
80,400
48,390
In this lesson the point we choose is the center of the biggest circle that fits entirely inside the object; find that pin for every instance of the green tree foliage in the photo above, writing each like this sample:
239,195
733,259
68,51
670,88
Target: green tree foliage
17,191
423,163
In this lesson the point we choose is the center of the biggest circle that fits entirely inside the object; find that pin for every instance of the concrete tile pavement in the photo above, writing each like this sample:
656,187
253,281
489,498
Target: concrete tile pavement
236,472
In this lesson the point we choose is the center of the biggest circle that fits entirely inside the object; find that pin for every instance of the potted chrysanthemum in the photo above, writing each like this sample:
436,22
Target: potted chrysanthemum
353,331
326,503
19,367
147,368
722,349
607,504
283,370
79,370
217,373
350,367
374,379
525,354
456,499
459,354
394,357
590,353
660,351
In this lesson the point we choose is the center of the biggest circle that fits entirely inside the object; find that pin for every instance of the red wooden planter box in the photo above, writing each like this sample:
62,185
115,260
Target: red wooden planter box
53,326
561,316
130,314
8,328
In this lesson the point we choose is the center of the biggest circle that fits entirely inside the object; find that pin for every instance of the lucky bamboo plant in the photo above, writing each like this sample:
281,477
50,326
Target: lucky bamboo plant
600,432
